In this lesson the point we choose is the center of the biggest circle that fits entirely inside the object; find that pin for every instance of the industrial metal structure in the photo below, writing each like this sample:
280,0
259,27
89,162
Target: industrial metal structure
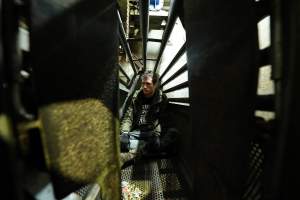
63,94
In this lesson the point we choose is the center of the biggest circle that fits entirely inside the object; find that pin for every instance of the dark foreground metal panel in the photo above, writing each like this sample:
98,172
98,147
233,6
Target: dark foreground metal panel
222,51
10,173
283,167
74,47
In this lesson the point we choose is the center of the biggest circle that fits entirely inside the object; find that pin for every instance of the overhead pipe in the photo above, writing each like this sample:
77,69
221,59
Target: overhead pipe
173,14
125,44
144,27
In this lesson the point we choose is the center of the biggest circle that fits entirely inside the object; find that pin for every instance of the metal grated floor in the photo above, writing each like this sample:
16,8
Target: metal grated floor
156,179
82,192
145,176
171,184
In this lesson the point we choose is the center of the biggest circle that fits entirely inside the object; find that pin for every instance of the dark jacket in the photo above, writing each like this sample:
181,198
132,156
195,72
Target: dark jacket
157,114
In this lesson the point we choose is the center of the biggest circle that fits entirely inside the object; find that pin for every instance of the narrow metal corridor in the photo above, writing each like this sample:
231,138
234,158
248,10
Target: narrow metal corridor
68,72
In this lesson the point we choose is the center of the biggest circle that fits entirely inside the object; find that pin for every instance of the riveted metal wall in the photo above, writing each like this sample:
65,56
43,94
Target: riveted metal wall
221,50
74,51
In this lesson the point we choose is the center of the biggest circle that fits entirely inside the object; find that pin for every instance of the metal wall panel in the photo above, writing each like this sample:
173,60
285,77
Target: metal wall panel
222,50
282,161
74,50
10,165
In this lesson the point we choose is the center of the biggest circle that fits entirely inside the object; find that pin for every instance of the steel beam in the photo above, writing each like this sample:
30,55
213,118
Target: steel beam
179,100
124,73
125,44
177,87
144,27
176,74
130,94
124,83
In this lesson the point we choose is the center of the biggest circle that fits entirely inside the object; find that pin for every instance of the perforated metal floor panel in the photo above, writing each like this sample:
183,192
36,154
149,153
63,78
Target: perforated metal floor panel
144,176
156,179
82,192
170,181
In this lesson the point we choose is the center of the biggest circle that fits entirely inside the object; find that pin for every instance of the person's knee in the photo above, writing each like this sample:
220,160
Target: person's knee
171,135
169,140
152,146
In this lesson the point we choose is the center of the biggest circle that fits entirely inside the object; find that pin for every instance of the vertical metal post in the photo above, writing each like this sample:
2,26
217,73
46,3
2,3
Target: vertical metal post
125,44
173,14
275,161
11,184
285,46
144,27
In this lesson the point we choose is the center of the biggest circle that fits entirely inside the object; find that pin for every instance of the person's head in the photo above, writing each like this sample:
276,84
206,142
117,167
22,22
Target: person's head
149,83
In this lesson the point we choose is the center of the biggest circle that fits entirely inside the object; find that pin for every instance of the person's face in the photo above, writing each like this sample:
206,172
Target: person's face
148,86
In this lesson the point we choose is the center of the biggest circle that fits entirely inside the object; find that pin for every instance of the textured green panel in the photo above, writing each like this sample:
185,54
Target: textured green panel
74,47
80,136
5,128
